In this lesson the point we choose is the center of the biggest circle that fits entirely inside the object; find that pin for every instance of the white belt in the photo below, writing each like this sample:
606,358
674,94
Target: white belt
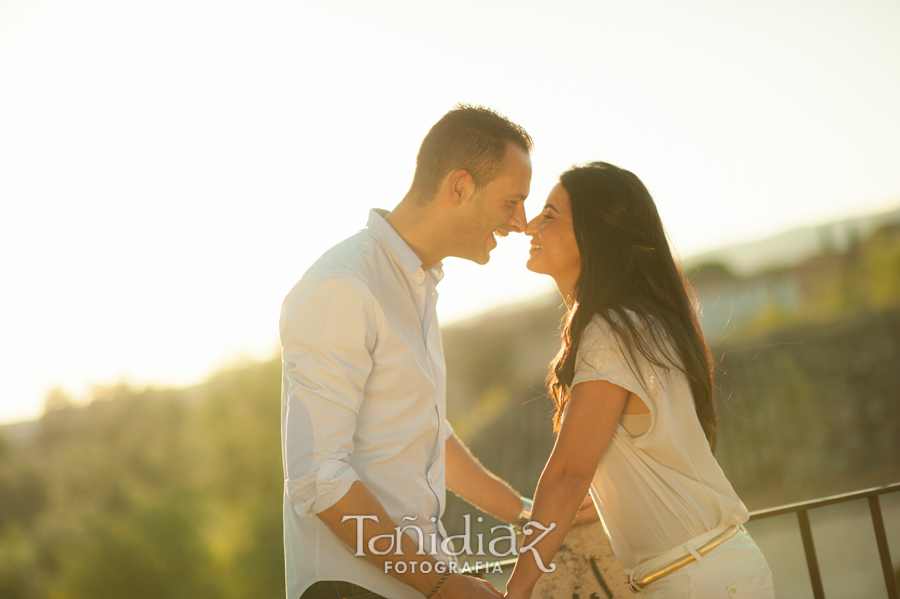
666,563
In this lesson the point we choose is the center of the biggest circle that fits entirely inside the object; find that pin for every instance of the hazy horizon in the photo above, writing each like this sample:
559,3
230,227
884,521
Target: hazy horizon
460,318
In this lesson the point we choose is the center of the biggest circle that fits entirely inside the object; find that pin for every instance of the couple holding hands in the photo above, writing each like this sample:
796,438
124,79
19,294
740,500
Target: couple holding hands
368,453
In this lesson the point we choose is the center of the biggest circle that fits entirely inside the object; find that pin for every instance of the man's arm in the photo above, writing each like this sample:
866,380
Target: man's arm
474,483
327,341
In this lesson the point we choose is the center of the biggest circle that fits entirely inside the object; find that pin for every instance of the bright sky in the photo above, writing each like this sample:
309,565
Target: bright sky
169,168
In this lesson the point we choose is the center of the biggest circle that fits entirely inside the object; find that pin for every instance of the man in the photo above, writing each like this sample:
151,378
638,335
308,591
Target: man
366,446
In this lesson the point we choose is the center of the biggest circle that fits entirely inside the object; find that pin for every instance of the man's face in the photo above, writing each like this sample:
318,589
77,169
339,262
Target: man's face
497,207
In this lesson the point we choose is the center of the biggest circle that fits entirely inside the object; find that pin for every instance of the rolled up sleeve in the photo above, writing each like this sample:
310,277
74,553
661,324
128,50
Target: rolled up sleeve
326,341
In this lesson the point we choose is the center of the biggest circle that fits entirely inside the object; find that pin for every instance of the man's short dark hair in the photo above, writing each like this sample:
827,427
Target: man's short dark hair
473,138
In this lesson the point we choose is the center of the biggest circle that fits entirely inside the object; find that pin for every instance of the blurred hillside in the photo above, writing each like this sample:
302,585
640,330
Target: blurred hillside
819,289
177,493
795,246
154,493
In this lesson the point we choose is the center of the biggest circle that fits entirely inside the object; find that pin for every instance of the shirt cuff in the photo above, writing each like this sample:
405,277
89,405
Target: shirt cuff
321,489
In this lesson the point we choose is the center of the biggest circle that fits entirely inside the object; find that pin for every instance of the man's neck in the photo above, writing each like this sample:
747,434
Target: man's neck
415,227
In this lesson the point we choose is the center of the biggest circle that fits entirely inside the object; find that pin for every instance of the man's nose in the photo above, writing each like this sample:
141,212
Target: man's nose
531,228
518,222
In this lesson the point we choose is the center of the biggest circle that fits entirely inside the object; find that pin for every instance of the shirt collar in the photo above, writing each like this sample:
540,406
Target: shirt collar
404,253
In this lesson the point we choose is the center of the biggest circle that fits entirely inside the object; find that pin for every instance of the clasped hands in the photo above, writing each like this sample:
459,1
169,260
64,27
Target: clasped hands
462,586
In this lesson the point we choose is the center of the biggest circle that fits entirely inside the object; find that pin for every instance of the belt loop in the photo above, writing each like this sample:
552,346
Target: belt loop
693,552
631,586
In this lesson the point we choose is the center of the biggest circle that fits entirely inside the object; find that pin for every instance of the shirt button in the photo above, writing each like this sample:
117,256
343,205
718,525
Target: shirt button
418,274
418,296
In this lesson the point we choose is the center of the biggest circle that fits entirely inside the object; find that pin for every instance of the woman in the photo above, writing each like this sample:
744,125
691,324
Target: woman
633,388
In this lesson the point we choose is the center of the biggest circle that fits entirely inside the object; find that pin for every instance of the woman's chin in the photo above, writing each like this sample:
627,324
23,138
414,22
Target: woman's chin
531,264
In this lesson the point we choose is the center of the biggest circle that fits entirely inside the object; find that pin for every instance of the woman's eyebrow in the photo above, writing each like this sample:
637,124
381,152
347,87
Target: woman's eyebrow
551,207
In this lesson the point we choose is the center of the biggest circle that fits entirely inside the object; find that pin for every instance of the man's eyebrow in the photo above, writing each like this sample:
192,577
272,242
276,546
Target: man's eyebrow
551,207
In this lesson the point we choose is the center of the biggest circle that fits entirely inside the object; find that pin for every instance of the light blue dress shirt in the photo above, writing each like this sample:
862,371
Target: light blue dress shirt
363,398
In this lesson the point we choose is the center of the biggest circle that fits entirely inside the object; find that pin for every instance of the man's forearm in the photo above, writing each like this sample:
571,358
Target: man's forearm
470,480
359,501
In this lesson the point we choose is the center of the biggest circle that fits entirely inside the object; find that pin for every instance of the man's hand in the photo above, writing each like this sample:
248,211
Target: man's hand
460,586
359,500
586,511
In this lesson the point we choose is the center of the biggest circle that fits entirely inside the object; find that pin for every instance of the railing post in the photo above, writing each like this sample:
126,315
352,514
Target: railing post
811,562
884,552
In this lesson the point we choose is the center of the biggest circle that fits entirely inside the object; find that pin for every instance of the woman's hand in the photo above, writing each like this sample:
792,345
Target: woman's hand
460,586
586,511
516,595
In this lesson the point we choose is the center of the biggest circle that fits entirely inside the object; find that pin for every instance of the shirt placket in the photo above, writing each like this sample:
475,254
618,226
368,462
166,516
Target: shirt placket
425,296
421,297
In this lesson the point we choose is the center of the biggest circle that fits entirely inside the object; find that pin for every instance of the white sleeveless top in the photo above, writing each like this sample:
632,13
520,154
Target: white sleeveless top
661,489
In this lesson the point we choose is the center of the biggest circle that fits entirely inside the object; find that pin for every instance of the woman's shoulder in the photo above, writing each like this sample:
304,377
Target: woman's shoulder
609,333
603,335
604,354
609,325
598,332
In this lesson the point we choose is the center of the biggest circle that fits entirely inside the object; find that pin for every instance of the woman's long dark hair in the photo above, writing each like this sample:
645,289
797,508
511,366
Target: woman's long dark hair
626,264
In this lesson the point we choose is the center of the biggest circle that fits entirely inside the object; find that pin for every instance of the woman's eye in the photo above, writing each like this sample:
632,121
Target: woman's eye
547,216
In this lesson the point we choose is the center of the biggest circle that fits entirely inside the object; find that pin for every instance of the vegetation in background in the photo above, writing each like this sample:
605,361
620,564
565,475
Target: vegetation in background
149,494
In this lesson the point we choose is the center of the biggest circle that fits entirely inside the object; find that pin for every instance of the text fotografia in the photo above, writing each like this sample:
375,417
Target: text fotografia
444,567
503,545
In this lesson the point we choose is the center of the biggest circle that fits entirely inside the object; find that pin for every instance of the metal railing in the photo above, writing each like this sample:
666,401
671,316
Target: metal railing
812,563
802,510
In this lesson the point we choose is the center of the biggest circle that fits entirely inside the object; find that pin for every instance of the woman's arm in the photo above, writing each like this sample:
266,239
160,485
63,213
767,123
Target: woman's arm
592,414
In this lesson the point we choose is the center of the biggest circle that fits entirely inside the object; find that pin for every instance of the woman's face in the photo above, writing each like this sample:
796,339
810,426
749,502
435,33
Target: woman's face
554,250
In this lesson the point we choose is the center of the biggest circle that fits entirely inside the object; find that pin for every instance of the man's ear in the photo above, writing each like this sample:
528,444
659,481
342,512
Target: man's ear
459,186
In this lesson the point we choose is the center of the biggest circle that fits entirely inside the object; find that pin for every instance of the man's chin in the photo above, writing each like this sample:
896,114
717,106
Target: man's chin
482,260
489,245
482,255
